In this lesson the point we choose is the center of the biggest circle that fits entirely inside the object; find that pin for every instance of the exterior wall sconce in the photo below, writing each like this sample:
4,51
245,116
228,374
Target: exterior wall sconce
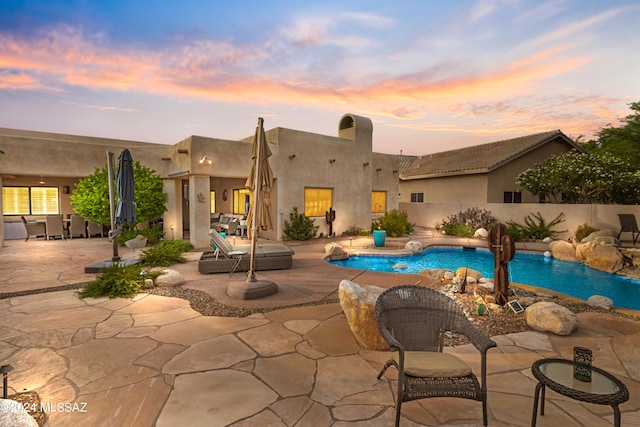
66,189
204,160
183,151
332,160
378,170
42,181
365,164
292,156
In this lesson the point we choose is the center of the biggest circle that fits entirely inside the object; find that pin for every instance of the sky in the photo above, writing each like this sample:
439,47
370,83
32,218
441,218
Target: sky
431,75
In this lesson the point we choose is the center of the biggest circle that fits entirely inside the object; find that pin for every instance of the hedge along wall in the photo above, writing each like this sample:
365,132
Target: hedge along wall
603,217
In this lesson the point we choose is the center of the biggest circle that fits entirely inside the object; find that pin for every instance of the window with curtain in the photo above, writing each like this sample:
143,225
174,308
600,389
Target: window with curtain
241,200
30,201
378,201
317,201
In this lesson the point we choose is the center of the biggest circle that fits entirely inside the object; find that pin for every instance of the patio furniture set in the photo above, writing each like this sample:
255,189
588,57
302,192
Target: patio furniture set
56,226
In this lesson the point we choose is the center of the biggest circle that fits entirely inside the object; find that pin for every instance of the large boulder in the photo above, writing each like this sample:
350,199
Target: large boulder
469,272
583,251
437,274
606,235
334,252
414,247
551,317
170,277
137,242
600,301
358,303
563,250
606,258
13,413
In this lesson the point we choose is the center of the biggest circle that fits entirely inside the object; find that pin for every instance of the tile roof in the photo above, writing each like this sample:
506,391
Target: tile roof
478,158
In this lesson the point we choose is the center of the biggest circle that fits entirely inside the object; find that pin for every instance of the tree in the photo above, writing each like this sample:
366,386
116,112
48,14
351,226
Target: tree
90,198
576,177
622,142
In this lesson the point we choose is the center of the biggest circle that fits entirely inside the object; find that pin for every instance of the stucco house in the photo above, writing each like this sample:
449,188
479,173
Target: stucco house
483,173
203,175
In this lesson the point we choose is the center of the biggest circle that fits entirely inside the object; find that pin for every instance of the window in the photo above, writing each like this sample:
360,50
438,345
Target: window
417,197
378,202
512,197
30,201
241,201
317,201
212,201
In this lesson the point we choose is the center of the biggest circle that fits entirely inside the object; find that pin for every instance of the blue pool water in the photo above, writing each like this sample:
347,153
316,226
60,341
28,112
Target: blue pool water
570,278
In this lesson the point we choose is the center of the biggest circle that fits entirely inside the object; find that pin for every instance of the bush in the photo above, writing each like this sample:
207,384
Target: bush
395,222
165,253
355,231
583,231
471,219
154,233
115,281
536,227
301,226
125,281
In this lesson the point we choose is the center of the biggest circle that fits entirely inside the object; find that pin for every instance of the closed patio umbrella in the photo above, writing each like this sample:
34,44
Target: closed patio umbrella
259,182
126,208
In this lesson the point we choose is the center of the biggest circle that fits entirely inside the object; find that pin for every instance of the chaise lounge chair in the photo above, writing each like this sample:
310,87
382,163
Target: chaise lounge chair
628,224
228,258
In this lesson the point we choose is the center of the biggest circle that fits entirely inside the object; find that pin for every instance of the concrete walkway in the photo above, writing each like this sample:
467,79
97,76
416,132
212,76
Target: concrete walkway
153,361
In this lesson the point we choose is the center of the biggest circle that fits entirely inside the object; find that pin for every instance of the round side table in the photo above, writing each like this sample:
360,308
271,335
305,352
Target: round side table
557,374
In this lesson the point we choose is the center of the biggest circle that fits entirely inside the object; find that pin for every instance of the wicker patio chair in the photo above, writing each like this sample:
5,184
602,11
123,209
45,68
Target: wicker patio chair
93,229
413,321
77,226
55,226
33,228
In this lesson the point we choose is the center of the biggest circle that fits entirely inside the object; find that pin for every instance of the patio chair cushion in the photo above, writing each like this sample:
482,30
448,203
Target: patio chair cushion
431,364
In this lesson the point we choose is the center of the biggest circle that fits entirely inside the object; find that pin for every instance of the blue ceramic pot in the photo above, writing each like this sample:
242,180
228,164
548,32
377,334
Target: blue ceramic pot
379,237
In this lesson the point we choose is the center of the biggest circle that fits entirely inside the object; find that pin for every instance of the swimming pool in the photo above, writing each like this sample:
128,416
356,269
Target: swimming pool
570,278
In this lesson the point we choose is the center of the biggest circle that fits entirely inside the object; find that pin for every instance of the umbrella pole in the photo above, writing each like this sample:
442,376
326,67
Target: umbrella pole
256,191
112,207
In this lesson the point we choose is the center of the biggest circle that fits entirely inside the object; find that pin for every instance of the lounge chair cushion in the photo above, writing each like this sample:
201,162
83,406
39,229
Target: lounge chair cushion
432,364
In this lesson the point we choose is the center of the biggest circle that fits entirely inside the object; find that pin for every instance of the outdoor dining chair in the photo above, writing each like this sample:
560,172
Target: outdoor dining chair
77,226
33,228
55,226
628,224
413,320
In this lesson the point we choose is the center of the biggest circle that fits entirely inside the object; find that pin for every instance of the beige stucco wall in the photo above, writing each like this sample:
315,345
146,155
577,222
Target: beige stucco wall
503,178
299,159
471,188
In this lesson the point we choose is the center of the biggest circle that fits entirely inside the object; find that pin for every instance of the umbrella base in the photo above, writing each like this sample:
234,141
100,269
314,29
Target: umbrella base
245,289
95,268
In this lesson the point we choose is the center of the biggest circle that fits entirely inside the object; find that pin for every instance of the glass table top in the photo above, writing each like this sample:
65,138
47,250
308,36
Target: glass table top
562,373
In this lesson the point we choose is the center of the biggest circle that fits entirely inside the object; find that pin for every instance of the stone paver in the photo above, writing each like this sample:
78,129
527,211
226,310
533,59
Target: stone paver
154,361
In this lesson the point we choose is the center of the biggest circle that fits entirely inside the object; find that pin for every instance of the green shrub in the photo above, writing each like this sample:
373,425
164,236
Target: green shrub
127,234
536,227
465,223
395,222
516,231
165,253
115,281
460,230
583,231
154,234
300,226
355,231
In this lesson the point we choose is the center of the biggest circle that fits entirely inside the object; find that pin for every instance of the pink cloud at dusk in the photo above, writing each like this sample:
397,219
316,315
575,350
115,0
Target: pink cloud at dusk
496,69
